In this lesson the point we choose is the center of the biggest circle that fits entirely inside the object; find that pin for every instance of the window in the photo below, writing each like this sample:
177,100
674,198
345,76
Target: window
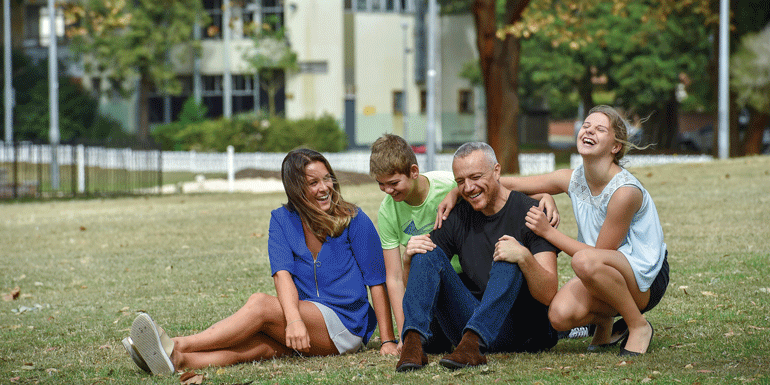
212,85
465,102
423,102
214,29
398,103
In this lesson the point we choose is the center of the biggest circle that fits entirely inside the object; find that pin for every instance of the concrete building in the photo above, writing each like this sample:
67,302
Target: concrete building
359,60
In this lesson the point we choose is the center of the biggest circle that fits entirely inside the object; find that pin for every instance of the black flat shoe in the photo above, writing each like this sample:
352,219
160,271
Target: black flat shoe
620,339
619,335
627,353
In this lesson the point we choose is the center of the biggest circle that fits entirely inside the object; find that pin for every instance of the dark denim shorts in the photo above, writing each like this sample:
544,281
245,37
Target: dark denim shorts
659,286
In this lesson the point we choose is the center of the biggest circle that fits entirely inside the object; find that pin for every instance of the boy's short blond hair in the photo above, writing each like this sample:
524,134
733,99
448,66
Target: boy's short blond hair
391,154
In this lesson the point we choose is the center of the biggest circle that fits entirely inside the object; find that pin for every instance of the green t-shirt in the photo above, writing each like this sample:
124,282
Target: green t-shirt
398,221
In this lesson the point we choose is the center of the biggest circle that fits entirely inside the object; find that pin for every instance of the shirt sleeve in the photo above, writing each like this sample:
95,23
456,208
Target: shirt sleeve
365,244
278,249
386,222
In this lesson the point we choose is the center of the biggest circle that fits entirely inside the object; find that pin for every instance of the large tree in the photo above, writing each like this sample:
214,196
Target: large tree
130,42
501,24
750,80
271,59
643,63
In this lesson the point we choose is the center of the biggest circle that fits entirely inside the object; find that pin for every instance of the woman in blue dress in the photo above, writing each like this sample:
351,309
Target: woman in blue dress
324,252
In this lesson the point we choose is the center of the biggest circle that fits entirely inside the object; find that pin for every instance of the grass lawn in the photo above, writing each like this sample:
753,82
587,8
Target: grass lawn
85,267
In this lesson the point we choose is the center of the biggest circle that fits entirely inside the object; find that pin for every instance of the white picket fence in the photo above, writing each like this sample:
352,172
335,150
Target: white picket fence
630,161
357,161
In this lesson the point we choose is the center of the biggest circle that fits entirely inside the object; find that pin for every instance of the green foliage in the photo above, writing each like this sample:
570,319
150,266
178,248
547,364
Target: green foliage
130,40
640,60
79,118
253,133
472,72
167,134
271,58
750,71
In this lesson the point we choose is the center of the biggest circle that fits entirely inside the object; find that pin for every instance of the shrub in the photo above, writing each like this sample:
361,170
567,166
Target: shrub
252,133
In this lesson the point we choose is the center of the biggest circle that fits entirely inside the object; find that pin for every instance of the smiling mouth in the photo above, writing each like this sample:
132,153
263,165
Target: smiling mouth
474,196
323,198
588,141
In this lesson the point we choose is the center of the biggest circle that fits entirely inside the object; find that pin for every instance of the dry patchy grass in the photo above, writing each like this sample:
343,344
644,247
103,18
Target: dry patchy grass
192,260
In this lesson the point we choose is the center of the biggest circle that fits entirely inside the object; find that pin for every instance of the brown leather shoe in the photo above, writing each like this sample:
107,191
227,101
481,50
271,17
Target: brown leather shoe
412,355
466,353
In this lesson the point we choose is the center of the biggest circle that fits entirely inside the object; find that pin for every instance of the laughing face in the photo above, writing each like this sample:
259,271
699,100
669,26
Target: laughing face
595,136
478,181
319,185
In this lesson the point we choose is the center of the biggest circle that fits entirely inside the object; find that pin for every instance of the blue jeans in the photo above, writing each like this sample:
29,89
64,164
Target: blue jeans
506,318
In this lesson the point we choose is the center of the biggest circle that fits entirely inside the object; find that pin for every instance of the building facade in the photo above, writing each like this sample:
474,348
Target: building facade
361,61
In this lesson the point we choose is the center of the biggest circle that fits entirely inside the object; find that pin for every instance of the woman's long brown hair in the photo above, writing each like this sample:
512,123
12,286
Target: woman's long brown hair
321,223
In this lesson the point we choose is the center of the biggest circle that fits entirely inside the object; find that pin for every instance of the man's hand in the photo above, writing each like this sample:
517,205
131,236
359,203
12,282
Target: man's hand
508,249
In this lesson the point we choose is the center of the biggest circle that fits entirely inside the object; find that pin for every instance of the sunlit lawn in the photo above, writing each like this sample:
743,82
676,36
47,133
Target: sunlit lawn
87,266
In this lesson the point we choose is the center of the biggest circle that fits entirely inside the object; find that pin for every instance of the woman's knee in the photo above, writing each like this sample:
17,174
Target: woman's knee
258,304
560,316
583,264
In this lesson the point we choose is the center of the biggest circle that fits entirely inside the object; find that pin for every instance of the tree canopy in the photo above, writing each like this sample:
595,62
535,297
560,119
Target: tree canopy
131,41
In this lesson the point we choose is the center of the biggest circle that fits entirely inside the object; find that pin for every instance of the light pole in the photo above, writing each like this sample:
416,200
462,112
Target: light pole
430,82
53,96
7,73
724,96
405,93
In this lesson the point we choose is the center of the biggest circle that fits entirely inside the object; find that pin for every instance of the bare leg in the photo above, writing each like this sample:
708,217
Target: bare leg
258,348
607,285
237,338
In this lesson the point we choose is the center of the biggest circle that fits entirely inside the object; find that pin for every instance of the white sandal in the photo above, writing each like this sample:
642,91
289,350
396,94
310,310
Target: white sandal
153,345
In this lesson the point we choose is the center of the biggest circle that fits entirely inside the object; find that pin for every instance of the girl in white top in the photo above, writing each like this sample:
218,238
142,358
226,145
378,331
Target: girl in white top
619,257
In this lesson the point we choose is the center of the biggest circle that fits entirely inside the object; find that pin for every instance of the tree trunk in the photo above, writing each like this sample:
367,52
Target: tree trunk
666,132
752,144
499,62
143,128
586,92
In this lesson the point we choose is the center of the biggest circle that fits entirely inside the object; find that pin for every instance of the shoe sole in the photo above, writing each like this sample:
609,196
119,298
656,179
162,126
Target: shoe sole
147,342
128,344
408,367
449,364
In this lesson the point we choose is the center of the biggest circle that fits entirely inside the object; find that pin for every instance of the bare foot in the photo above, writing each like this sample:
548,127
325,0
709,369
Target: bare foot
639,338
603,332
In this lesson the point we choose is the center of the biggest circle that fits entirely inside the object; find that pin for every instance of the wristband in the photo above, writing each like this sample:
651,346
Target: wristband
385,342
287,325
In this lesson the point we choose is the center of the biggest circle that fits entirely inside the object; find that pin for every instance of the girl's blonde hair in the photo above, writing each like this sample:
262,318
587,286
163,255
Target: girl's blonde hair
619,125
321,223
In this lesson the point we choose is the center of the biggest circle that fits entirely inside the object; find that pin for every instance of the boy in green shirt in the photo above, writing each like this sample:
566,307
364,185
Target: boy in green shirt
410,209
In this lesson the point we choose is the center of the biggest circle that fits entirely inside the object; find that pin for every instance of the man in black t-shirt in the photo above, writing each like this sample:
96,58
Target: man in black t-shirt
503,306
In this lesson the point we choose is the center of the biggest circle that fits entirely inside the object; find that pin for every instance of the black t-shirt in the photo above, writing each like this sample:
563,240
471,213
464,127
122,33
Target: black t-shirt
472,236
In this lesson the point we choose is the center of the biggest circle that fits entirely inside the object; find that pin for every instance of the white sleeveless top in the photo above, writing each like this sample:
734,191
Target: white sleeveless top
643,246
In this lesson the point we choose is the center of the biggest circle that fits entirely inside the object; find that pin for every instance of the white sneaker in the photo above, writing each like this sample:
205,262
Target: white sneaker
154,350
578,332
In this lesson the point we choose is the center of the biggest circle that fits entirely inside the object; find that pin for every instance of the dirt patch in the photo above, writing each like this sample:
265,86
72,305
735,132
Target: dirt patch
345,178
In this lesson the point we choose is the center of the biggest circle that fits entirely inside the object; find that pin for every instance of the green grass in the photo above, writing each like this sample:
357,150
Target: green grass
192,260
